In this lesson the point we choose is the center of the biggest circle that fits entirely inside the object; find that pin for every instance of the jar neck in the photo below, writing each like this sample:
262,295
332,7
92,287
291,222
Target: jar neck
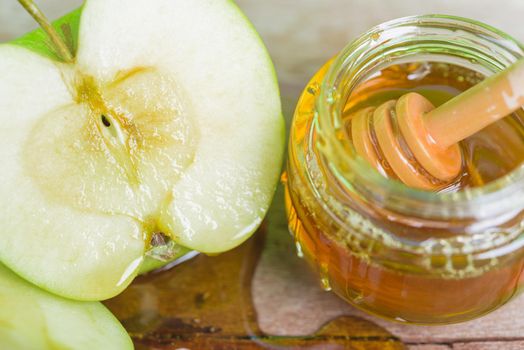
443,39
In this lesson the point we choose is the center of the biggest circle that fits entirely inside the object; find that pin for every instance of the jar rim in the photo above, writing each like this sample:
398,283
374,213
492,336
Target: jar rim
496,197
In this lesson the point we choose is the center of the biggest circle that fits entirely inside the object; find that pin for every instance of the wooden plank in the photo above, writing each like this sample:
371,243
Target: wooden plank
515,345
506,323
429,347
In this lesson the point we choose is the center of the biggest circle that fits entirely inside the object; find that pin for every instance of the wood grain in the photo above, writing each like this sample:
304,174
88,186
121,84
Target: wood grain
512,345
429,347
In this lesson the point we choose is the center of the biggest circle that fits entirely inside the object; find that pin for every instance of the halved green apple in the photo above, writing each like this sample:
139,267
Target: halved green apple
34,319
166,124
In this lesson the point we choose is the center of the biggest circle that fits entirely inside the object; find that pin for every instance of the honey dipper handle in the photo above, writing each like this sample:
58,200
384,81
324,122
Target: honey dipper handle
492,99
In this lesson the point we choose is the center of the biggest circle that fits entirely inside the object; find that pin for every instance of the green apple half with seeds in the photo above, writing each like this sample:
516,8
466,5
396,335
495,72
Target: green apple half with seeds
31,318
144,119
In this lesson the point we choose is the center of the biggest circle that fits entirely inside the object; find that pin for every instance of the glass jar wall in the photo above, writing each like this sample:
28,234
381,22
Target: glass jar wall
401,253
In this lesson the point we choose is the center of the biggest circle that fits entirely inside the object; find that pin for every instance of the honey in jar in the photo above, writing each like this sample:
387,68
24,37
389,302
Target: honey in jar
425,257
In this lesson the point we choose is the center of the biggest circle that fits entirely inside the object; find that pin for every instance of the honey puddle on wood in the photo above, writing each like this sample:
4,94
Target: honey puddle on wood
206,303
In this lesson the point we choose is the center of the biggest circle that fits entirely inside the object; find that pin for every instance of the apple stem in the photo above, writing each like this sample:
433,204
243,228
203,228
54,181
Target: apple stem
59,45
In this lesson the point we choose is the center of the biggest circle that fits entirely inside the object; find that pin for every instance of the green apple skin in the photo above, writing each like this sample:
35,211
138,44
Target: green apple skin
38,42
32,319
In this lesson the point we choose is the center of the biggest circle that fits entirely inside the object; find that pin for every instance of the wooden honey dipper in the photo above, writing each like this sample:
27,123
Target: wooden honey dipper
420,143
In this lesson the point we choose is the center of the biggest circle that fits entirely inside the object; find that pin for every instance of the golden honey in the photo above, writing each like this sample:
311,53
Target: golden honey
405,254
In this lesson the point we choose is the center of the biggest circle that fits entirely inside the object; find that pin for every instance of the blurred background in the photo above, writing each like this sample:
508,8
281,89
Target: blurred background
303,34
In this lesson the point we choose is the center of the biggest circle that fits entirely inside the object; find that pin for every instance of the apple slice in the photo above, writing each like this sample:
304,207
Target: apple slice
33,319
167,123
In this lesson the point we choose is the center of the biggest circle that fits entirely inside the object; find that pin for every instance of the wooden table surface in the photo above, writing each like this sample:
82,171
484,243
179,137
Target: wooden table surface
301,35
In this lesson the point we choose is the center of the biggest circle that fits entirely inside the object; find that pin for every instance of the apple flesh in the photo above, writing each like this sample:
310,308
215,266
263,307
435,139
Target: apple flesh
167,122
33,319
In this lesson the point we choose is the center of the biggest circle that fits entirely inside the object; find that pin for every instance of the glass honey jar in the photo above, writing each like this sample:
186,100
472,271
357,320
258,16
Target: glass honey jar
406,254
